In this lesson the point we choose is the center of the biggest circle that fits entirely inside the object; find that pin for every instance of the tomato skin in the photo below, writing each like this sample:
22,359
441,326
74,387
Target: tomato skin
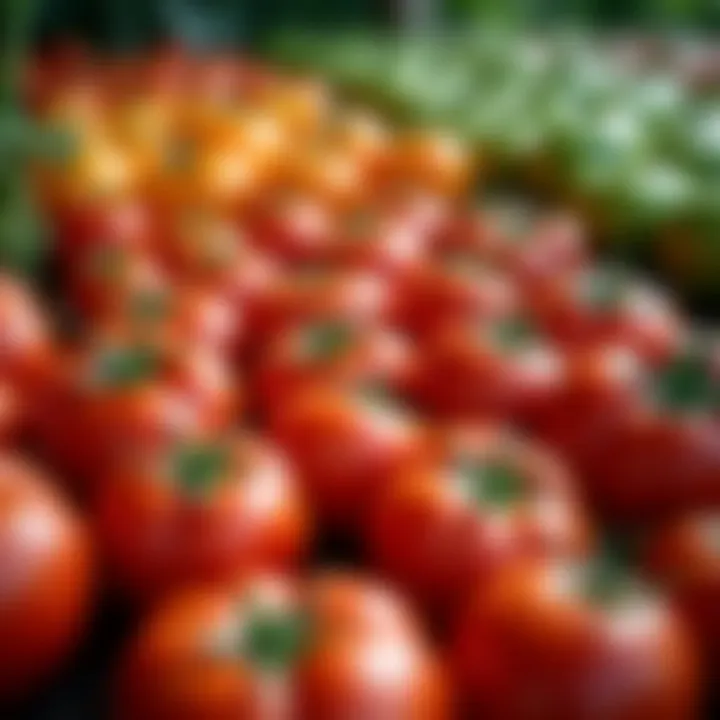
187,393
355,297
533,646
345,446
470,372
294,227
453,289
633,315
214,536
175,669
296,360
682,555
430,534
46,572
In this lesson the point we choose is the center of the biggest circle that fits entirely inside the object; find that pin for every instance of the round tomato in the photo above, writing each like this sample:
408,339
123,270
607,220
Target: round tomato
222,507
125,397
389,243
454,288
298,298
268,649
662,456
557,641
45,577
346,443
484,499
601,305
108,281
292,226
330,352
498,370
683,555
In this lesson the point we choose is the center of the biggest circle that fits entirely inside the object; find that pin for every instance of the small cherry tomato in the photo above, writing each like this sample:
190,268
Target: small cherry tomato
502,370
683,556
558,641
268,649
601,305
449,521
346,443
222,507
45,577
331,353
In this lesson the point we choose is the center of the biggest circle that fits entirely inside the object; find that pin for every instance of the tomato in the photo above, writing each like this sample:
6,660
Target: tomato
601,386
601,305
662,456
222,506
182,316
346,443
361,134
499,370
126,225
683,555
271,650
126,396
390,244
108,281
447,522
433,161
302,104
331,352
45,576
292,226
297,298
454,288
557,641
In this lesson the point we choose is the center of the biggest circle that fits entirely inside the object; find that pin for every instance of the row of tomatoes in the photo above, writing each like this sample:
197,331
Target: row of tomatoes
375,356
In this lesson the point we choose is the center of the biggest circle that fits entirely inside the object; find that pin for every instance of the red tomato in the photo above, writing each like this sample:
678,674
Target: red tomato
127,226
683,555
602,306
454,288
346,443
108,282
221,507
447,522
662,456
294,227
355,297
330,352
45,577
125,397
498,370
553,641
208,654
391,244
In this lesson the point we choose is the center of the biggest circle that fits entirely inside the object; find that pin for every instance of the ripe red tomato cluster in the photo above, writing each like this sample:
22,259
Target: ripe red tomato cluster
290,327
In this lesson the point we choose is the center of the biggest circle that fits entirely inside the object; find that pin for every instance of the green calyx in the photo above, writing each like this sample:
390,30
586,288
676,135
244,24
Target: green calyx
514,333
497,483
604,577
688,383
197,469
604,290
326,340
272,640
126,366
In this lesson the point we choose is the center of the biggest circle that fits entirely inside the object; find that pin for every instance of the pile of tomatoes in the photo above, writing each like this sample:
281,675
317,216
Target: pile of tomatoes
282,327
